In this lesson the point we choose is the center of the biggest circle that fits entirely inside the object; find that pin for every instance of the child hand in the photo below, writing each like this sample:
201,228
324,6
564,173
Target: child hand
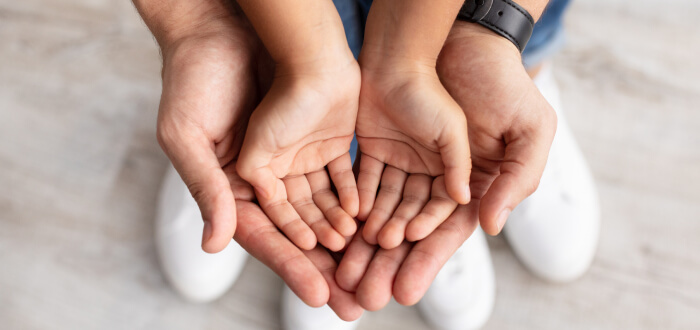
305,123
307,211
408,206
409,122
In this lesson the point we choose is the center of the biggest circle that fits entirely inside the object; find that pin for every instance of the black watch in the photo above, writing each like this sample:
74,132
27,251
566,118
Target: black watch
504,17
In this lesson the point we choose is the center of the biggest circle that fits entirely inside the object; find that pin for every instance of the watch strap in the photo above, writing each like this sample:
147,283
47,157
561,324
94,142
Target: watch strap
504,17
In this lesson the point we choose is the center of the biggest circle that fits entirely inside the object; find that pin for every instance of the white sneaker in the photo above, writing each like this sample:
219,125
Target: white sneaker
463,293
554,232
195,274
296,315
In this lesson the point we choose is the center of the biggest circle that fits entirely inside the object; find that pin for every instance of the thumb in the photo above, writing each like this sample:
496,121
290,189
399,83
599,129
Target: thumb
520,173
194,159
453,144
253,165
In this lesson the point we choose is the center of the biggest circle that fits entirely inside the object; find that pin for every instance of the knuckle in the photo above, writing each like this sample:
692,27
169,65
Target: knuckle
166,135
391,189
303,203
414,199
197,191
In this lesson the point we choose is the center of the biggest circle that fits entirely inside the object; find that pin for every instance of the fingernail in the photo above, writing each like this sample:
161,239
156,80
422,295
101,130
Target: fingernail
206,233
502,217
467,194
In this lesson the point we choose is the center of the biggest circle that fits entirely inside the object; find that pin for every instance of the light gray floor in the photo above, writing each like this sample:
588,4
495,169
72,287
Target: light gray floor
80,168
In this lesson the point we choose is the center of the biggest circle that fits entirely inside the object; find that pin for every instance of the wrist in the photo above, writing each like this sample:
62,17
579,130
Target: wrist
393,65
479,39
474,46
299,34
414,29
325,56
321,58
172,21
232,43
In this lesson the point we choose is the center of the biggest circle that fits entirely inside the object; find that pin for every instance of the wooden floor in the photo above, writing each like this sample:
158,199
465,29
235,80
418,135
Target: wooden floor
80,168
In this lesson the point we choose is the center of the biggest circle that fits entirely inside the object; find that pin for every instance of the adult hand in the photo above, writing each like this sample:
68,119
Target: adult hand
209,90
511,127
406,272
309,274
215,72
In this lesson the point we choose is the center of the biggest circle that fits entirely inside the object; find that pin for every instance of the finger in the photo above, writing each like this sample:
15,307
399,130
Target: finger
368,183
287,219
340,170
375,289
415,197
329,204
242,190
194,159
433,214
524,161
257,235
453,144
354,263
429,255
253,165
342,302
301,199
388,198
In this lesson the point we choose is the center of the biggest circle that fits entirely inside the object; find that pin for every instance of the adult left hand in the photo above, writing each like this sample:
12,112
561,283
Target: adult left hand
511,127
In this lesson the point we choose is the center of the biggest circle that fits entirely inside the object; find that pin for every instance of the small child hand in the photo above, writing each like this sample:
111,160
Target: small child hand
412,136
408,206
306,210
303,125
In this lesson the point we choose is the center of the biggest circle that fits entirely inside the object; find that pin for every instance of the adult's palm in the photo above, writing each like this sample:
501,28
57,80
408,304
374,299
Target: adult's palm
511,125
210,86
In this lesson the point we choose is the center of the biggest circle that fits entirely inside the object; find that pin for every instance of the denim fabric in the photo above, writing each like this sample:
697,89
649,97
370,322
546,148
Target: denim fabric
353,22
353,18
548,36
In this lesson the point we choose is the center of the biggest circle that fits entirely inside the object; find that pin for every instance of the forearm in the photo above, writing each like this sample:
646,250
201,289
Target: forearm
173,20
298,33
408,30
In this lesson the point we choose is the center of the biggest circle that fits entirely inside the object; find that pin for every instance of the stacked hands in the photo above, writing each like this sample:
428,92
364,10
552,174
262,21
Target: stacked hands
259,109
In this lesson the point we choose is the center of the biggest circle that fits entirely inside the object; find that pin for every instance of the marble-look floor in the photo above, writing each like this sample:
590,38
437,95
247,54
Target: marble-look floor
80,169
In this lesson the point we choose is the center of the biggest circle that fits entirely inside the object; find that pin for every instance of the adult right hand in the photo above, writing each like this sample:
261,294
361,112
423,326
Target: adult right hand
215,72
209,90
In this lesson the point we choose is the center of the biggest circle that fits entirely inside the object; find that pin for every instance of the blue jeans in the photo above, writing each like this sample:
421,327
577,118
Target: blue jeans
546,40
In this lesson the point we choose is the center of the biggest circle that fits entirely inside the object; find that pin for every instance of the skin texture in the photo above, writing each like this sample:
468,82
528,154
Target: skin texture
299,135
511,127
214,77
211,83
410,131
